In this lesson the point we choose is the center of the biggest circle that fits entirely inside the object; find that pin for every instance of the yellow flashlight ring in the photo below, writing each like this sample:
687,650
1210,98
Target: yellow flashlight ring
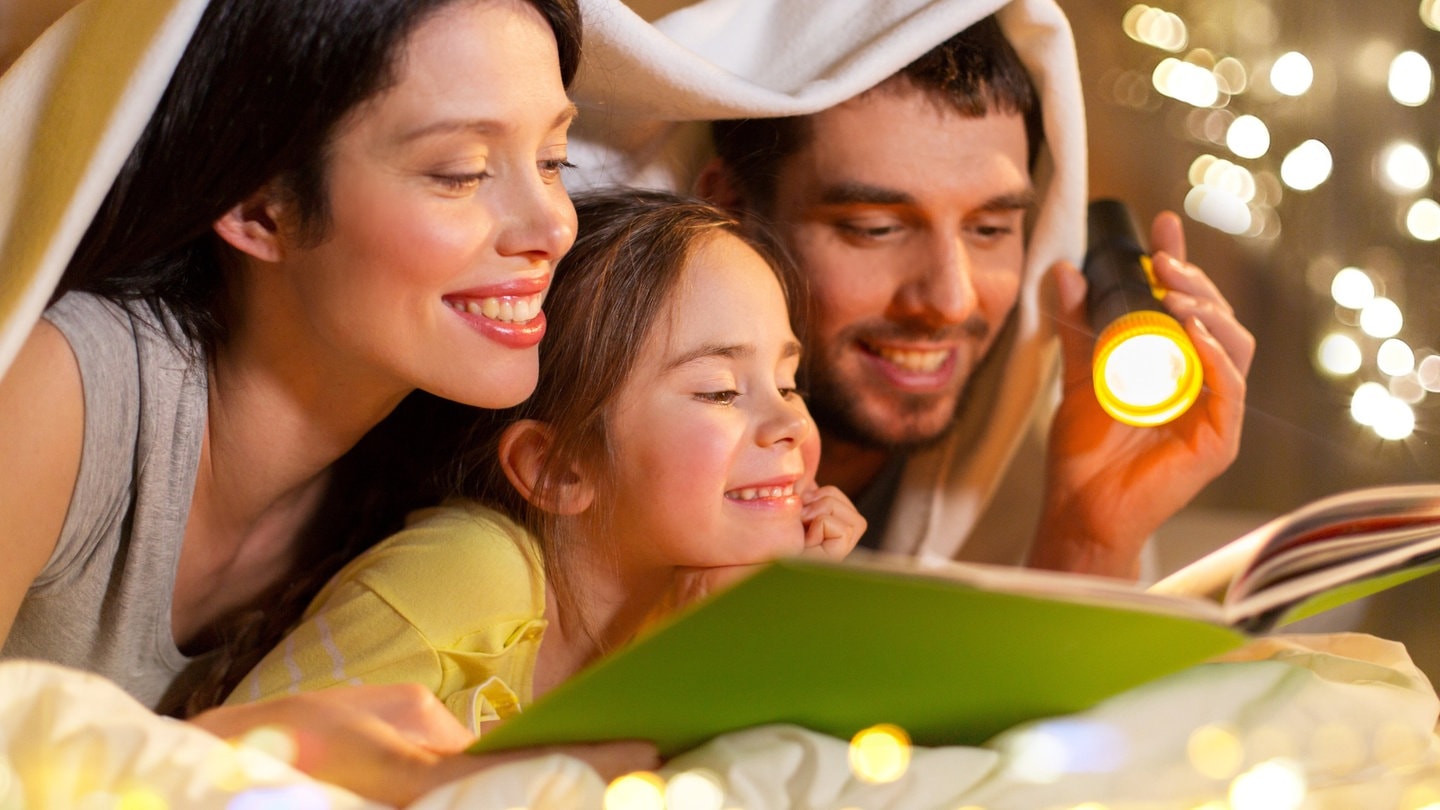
1181,366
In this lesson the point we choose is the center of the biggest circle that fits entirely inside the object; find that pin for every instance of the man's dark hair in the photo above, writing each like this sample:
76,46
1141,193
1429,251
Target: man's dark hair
976,71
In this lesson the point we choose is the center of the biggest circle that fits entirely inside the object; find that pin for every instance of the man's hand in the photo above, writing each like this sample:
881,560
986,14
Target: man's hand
1109,486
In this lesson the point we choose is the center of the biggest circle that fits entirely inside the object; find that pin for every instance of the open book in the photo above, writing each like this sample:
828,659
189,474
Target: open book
955,653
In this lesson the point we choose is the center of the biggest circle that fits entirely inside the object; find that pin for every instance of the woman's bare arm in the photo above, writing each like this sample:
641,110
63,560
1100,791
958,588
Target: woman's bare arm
42,413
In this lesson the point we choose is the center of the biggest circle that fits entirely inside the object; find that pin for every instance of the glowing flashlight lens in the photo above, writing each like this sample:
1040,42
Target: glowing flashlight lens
1146,369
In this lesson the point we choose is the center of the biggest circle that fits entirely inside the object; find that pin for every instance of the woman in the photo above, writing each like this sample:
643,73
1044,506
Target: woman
335,203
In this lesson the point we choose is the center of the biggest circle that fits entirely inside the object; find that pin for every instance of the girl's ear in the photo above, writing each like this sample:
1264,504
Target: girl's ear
253,226
524,449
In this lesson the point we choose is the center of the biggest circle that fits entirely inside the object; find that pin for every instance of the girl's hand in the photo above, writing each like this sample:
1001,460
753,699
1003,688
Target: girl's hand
832,523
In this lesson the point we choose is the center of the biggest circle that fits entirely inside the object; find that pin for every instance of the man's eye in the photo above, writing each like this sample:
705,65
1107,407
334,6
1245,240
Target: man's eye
718,397
864,231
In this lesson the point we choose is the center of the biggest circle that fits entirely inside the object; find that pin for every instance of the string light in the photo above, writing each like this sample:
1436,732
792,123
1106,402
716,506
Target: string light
1411,79
1292,74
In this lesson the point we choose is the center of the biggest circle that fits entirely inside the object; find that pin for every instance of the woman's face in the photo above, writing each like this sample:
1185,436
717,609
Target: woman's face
711,440
448,213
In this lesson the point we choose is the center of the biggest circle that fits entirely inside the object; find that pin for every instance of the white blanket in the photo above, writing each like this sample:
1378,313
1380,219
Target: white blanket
1343,721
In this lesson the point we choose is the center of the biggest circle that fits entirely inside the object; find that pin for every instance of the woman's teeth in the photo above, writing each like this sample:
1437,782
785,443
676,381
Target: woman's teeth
754,493
509,309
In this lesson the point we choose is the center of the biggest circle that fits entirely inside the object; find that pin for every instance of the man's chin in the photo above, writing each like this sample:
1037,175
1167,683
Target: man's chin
903,429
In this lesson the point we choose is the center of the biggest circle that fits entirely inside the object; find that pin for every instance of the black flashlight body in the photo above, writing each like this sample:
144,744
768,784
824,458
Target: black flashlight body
1115,265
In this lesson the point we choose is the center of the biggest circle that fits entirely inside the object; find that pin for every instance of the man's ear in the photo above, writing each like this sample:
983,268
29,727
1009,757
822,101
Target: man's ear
524,451
253,226
715,185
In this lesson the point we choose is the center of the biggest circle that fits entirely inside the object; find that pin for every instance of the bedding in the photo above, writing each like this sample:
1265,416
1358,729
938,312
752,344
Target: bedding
1322,721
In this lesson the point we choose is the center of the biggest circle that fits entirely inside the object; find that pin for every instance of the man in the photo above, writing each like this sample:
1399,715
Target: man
906,208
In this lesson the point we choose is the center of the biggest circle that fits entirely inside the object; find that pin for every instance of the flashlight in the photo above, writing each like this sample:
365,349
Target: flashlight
1146,369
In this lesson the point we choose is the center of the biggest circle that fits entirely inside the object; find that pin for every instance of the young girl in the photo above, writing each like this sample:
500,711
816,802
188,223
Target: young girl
665,451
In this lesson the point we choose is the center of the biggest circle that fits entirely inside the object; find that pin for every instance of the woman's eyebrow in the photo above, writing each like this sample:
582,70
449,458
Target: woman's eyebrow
480,126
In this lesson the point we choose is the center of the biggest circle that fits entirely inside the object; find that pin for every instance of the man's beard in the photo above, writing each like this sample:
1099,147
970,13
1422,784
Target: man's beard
839,415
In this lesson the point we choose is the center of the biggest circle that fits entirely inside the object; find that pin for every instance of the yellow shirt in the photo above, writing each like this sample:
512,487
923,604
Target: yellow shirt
455,602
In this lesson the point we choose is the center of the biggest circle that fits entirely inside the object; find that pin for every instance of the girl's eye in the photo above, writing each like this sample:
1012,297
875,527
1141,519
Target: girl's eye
790,393
460,182
718,397
550,169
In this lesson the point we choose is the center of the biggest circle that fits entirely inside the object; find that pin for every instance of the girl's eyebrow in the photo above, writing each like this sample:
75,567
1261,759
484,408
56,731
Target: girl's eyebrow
728,351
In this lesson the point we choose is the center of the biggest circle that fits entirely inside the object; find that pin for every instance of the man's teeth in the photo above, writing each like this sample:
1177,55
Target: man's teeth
919,361
509,309
755,493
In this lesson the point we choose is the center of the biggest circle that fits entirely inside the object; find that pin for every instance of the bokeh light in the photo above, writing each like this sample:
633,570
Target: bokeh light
1248,137
1411,79
1307,166
1275,784
1339,355
1422,220
880,753
1367,403
1395,358
1352,288
1186,82
1156,27
694,790
1381,318
1214,752
1404,167
1428,373
640,790
1292,74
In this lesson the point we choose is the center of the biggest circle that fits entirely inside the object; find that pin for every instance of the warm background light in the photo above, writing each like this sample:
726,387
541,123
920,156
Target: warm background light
1292,74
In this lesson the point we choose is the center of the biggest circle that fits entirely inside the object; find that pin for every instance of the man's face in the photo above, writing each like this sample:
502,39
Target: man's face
907,217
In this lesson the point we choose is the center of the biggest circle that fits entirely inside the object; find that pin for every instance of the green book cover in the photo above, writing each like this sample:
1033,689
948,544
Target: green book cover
840,647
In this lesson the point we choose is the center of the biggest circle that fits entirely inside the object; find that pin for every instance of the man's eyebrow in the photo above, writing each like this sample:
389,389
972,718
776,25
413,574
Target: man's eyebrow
728,351
852,193
481,126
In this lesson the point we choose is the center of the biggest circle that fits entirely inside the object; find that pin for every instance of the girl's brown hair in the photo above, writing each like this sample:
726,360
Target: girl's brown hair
607,296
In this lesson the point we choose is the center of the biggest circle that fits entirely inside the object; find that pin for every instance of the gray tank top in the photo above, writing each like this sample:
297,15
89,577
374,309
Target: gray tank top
102,602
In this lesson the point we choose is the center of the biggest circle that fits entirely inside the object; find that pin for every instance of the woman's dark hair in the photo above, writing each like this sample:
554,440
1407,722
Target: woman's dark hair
606,298
975,72
257,97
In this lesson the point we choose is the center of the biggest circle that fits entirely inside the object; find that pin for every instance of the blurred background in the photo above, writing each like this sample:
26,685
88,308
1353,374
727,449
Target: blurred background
1299,138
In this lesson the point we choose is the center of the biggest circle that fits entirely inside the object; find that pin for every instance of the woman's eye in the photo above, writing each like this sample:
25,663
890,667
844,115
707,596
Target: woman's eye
790,393
550,169
460,182
718,397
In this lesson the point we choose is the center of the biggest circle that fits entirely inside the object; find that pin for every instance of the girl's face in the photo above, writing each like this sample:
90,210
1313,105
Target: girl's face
711,439
448,214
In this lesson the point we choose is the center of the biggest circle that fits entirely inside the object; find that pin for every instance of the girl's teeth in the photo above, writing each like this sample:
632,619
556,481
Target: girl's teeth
754,493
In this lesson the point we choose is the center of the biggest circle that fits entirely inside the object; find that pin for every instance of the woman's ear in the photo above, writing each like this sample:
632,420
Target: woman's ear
524,451
253,226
